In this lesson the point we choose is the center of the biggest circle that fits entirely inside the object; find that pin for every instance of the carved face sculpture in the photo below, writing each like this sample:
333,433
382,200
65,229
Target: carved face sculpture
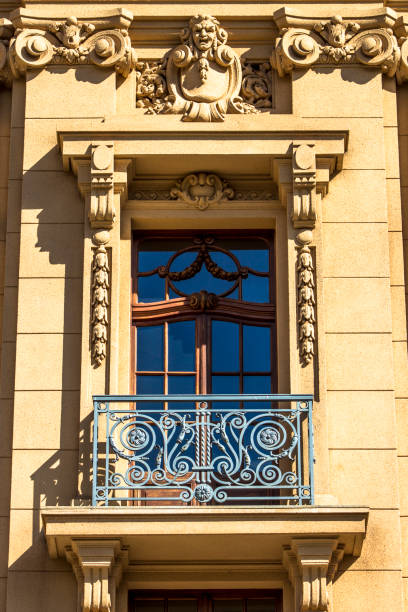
204,31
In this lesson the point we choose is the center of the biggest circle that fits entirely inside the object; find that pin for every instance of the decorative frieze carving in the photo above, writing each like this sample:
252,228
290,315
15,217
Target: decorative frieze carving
203,76
151,86
312,564
336,41
257,84
98,567
71,42
201,190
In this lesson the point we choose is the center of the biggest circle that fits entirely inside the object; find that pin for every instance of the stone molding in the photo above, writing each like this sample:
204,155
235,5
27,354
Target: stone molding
98,567
312,564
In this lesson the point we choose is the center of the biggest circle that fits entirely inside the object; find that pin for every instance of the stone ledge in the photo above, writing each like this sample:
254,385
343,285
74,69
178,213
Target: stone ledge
171,533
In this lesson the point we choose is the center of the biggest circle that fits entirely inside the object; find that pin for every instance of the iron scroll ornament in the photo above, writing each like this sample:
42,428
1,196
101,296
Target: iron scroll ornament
207,455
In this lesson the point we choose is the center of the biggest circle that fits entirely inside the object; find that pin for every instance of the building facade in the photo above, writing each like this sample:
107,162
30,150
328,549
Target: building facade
204,378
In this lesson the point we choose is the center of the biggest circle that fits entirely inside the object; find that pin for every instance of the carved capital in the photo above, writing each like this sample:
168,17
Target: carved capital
367,41
312,565
98,567
71,42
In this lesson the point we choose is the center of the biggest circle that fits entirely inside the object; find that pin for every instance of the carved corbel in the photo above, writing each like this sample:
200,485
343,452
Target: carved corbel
303,43
72,42
312,565
98,568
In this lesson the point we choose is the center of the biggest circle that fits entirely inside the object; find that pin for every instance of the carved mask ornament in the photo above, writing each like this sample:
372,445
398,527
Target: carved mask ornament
204,74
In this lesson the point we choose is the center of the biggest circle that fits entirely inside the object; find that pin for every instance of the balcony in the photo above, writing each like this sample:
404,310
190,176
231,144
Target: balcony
203,450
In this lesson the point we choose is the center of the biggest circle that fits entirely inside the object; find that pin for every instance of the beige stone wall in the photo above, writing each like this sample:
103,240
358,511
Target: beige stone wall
7,297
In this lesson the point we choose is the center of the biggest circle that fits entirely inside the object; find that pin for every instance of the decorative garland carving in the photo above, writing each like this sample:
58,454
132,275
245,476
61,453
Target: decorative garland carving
100,303
71,42
203,76
201,190
336,41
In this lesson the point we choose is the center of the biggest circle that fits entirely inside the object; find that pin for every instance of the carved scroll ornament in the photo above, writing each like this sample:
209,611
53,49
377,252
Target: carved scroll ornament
333,42
203,76
201,190
71,42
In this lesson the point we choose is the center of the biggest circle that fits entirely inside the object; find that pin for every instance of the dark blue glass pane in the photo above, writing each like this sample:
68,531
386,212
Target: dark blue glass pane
257,384
181,385
225,346
150,348
257,259
257,348
182,346
149,260
225,385
151,288
149,385
255,289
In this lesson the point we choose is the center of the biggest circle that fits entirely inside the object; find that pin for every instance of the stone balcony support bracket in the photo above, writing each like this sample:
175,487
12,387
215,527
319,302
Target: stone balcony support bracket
98,567
312,565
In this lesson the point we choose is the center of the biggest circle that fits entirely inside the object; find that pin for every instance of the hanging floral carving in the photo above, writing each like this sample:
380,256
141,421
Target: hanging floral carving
306,304
100,303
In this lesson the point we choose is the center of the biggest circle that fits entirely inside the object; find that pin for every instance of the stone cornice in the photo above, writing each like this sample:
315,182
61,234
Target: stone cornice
373,39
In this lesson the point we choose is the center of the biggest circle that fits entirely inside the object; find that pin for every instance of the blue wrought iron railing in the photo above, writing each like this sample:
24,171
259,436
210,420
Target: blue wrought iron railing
203,449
